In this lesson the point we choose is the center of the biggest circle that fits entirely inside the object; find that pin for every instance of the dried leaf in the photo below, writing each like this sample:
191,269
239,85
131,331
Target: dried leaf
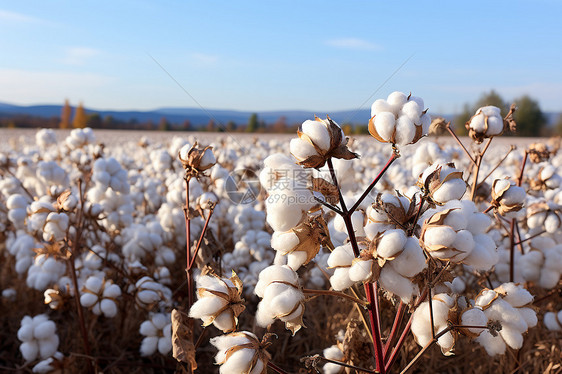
183,348
327,189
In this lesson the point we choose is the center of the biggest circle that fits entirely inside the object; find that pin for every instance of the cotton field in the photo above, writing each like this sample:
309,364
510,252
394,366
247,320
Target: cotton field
316,253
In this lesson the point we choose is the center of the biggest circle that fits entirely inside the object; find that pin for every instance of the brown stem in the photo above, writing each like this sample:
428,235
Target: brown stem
520,178
188,245
518,243
194,256
275,368
497,166
512,251
413,227
75,245
329,206
424,349
394,330
530,237
488,208
374,314
448,127
393,157
307,291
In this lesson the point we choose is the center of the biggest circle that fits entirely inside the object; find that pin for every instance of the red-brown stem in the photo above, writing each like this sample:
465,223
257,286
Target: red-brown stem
448,126
424,349
394,330
520,178
307,291
530,237
194,256
188,246
75,245
275,368
512,251
518,243
393,157
476,169
374,313
488,209
406,330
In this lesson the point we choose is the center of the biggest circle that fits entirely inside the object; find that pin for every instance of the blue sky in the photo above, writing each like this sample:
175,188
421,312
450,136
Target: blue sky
265,55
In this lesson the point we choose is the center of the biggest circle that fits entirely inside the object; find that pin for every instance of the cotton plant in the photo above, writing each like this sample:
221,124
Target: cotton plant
45,272
456,232
507,197
100,295
553,320
441,305
400,119
219,301
38,337
282,297
442,183
149,293
508,310
240,353
157,332
487,122
79,138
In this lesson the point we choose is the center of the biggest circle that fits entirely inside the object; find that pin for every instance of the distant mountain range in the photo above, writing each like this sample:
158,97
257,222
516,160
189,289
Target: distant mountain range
200,117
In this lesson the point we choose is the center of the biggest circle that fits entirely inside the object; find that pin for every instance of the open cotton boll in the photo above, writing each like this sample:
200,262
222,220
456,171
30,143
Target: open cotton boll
412,111
440,235
391,243
494,345
411,261
553,321
393,282
397,100
360,270
318,133
380,106
450,190
515,295
385,123
333,353
405,130
301,149
474,317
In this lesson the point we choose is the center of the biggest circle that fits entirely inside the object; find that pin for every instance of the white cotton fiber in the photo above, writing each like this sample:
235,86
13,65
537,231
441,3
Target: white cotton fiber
440,235
340,279
405,130
360,270
318,133
385,125
474,317
464,242
516,295
284,241
341,256
411,261
397,99
391,243
494,345
380,106
238,362
553,321
301,149
393,282
412,110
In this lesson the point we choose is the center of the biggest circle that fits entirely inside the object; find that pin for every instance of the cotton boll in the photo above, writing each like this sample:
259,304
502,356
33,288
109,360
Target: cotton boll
29,350
391,243
440,235
411,261
412,110
108,308
341,256
549,278
494,345
360,270
453,189
397,99
474,317
318,133
380,106
464,242
405,130
296,259
284,241
393,282
340,279
301,149
515,295
512,337
478,223
238,362
147,328
385,125
44,330
49,346
149,345
552,321
495,125
88,300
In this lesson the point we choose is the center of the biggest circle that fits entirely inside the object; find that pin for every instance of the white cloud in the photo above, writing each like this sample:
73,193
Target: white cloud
353,43
32,87
79,55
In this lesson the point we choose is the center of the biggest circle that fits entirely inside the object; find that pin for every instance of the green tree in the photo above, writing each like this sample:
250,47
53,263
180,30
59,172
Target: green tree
529,117
80,118
65,115
558,126
253,123
163,125
231,126
94,120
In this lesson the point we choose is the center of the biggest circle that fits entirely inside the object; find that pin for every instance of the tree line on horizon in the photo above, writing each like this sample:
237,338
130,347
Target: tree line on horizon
531,121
